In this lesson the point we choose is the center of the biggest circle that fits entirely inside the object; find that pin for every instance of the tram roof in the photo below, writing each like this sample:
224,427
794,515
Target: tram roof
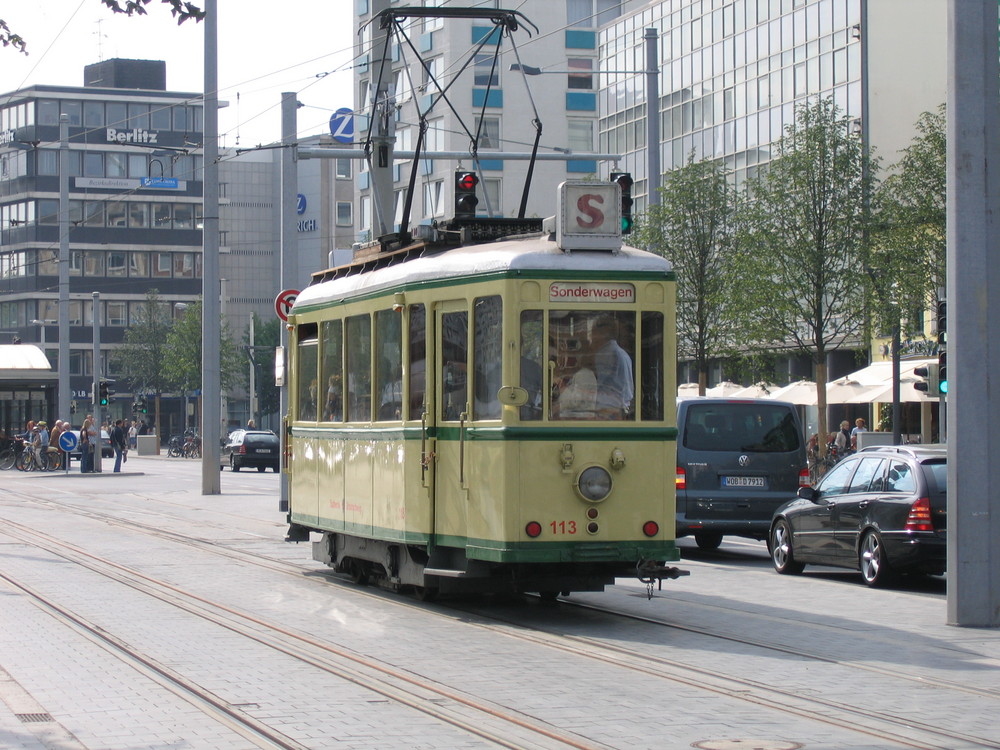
526,254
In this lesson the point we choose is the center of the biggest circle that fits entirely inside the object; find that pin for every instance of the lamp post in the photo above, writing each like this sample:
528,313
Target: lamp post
652,73
41,325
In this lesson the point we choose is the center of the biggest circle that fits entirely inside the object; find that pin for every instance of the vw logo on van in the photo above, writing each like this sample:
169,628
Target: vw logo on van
744,460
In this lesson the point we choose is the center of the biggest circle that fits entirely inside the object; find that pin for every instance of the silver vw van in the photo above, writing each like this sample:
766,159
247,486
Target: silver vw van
737,461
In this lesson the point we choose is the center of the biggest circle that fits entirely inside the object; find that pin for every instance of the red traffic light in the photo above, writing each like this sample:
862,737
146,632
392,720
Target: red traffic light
466,181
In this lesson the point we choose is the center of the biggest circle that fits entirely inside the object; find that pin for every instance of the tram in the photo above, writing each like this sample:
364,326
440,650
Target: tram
489,407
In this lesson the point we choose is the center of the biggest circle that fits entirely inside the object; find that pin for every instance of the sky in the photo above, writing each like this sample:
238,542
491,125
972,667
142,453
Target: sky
305,47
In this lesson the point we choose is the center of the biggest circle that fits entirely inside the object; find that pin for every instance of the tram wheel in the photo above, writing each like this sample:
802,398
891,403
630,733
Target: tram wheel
426,593
359,573
708,541
548,596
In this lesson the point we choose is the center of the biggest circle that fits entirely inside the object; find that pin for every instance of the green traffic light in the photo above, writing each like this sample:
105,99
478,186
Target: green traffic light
626,224
943,386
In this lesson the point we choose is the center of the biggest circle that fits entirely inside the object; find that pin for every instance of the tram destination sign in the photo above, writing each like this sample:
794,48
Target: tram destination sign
563,291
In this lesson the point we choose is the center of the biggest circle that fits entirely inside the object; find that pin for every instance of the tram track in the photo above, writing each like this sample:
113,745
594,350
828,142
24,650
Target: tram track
493,723
903,731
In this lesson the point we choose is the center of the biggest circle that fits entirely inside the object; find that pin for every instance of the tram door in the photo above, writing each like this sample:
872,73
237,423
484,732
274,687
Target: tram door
451,415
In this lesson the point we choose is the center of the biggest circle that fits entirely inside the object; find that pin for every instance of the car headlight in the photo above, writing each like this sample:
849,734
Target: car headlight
594,484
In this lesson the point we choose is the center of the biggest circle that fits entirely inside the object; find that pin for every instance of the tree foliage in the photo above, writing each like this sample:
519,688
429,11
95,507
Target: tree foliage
143,355
181,10
693,227
183,365
801,266
912,239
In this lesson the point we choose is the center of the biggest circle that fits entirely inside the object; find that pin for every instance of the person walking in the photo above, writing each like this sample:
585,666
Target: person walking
133,433
118,443
87,432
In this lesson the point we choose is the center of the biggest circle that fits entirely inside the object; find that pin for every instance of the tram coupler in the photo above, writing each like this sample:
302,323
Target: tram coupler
649,571
297,533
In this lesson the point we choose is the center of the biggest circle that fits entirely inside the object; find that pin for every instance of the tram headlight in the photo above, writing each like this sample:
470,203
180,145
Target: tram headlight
594,484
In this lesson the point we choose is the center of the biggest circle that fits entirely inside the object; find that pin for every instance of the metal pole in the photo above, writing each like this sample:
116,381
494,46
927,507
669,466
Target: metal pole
897,436
652,120
973,280
289,245
253,375
96,327
64,398
211,318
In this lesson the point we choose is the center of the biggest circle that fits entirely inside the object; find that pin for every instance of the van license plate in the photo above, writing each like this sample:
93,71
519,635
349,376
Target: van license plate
743,482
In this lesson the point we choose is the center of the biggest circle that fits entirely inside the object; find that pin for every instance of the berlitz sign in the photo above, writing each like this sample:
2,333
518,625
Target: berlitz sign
136,135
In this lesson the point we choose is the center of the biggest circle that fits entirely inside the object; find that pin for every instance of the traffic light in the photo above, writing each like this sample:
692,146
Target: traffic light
103,397
942,336
930,383
465,195
625,182
143,409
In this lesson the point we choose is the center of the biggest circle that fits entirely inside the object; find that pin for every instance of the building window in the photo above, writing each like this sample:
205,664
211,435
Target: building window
138,166
93,263
117,263
48,112
138,215
116,215
138,116
162,265
584,79
580,135
183,216
486,73
432,199
93,164
491,193
93,213
489,131
48,161
115,314
138,265
345,213
159,118
344,167
115,164
117,114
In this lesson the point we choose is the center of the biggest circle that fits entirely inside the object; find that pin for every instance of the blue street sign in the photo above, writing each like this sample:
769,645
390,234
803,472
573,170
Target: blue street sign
67,441
300,204
160,183
342,125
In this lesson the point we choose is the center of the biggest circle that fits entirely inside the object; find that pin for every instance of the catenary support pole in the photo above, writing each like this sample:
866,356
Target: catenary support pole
973,296
211,314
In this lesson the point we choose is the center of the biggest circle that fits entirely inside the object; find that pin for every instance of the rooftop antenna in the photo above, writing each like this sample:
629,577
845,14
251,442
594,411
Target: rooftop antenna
100,37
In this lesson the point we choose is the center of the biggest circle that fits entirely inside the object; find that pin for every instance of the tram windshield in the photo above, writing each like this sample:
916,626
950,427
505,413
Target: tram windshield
588,365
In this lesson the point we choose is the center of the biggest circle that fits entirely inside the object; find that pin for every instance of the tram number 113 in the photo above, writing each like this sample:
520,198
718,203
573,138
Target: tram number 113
563,527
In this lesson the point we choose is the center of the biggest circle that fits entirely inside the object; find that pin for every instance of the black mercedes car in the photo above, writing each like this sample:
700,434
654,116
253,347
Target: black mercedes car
881,511
258,449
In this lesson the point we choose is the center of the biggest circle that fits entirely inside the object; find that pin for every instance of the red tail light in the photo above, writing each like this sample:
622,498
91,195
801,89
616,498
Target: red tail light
919,518
682,482
243,449
804,477
651,528
533,529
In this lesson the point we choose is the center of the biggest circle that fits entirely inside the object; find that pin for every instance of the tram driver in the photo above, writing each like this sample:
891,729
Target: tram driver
613,369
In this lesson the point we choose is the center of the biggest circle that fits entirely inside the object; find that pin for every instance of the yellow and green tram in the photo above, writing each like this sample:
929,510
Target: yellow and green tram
489,417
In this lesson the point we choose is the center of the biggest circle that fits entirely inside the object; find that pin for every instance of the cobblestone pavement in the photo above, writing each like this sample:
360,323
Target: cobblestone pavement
733,656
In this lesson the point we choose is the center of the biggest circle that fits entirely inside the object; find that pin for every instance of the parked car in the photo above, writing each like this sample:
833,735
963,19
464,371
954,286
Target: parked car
106,450
881,511
737,461
259,449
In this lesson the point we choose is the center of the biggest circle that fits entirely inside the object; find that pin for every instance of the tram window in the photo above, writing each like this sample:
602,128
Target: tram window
454,363
389,364
359,357
591,364
487,356
332,371
307,385
533,356
652,372
417,375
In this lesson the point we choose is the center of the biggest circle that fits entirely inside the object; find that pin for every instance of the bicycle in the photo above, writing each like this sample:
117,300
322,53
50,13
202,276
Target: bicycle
30,461
9,454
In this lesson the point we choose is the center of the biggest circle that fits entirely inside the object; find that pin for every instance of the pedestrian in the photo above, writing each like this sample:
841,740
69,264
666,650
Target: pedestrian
251,425
118,443
859,426
133,433
843,439
88,438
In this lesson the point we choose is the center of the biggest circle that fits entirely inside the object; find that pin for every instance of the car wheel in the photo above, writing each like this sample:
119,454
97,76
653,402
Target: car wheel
875,568
261,468
232,464
708,541
781,549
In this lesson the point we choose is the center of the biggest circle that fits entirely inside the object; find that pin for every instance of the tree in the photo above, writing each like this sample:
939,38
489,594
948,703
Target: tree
692,227
912,240
143,355
266,337
183,365
801,272
181,10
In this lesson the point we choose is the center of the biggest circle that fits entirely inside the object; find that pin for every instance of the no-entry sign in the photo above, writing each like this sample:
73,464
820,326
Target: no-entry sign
284,301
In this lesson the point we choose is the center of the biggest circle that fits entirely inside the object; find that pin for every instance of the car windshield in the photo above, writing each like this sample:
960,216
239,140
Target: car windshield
748,427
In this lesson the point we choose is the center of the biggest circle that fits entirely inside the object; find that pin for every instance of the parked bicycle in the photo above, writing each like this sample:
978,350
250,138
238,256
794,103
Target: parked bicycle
9,453
31,461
